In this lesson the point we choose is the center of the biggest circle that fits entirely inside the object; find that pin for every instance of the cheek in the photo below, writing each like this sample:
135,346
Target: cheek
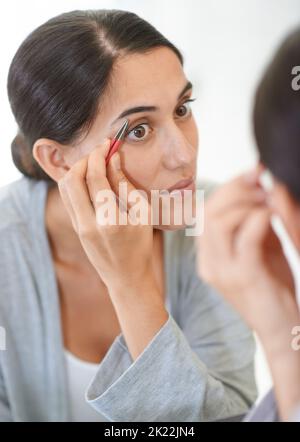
141,165
192,134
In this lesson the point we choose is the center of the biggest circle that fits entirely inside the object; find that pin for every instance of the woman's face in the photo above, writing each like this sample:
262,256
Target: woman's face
152,92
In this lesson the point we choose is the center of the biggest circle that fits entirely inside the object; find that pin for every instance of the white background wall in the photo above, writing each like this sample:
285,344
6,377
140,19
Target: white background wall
226,44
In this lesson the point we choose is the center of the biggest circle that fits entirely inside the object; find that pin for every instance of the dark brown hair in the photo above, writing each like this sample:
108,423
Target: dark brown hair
277,116
62,69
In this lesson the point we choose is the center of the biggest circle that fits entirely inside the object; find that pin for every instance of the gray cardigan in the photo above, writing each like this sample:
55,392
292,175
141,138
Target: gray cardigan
199,366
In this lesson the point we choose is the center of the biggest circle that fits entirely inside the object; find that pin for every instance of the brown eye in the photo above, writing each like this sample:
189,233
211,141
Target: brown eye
183,110
138,133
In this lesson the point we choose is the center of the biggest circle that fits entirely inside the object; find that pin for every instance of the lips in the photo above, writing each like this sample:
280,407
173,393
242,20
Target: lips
182,184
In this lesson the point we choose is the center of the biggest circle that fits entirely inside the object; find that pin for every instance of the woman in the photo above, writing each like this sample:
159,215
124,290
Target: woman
241,255
116,312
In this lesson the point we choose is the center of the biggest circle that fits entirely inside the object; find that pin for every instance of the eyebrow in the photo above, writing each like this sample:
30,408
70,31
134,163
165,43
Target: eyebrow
139,109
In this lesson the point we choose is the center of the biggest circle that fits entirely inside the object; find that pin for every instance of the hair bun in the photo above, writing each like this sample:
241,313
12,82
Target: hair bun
24,161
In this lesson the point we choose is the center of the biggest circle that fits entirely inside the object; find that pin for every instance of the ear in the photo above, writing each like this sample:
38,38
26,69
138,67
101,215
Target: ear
51,157
288,208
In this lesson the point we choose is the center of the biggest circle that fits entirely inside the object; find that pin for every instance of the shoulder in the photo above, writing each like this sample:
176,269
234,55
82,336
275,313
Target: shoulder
21,215
21,212
17,200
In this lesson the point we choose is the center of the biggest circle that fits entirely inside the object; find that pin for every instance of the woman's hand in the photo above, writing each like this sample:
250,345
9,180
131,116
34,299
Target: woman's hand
121,254
241,256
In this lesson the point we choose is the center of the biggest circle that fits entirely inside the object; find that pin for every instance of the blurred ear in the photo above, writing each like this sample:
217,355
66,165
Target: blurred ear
288,208
52,157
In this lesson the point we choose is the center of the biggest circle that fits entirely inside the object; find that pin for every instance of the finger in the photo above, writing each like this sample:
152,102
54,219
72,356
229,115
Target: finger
67,203
255,229
253,175
236,192
96,171
232,218
74,183
228,225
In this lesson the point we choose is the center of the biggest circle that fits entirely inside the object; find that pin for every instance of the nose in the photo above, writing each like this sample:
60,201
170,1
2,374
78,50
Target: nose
177,150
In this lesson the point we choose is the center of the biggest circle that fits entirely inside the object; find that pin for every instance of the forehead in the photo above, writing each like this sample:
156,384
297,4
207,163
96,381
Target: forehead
146,78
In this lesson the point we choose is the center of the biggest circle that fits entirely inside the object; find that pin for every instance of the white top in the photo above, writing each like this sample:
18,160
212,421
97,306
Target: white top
80,374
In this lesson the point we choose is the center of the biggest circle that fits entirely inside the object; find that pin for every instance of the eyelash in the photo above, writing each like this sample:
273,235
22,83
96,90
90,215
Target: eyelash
190,100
